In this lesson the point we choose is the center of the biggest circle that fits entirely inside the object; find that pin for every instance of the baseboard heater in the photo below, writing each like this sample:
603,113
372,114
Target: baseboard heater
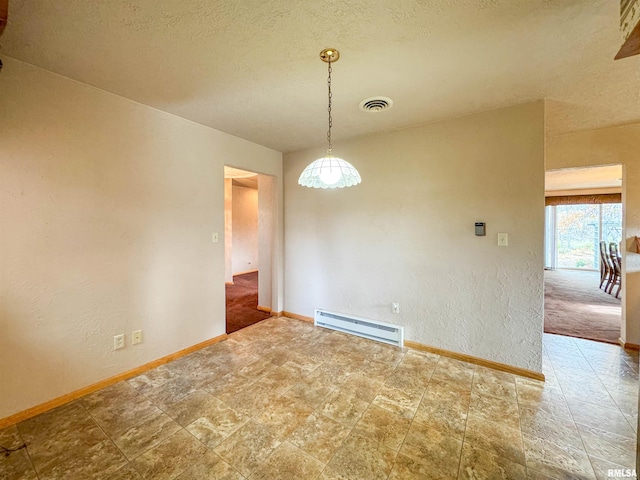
362,327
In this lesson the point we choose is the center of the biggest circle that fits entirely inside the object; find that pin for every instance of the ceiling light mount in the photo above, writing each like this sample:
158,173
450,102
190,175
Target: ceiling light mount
329,55
329,171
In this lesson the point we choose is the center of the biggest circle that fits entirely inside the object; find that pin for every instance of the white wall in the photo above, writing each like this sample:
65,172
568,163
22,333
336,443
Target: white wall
406,234
609,146
244,229
106,214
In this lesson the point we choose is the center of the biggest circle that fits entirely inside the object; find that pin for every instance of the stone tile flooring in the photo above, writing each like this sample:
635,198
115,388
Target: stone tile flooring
286,400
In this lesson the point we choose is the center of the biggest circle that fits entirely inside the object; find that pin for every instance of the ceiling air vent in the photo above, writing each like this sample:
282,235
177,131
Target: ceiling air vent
376,104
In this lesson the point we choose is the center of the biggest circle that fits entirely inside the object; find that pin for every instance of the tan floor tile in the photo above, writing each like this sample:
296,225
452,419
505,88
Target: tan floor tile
171,391
332,374
16,464
152,378
388,355
335,341
360,457
500,439
216,424
280,369
125,473
478,464
628,404
601,468
444,410
434,449
319,436
397,401
288,461
227,385
448,385
311,392
543,399
453,372
407,468
64,446
247,448
493,409
489,374
557,429
563,361
284,415
117,417
343,408
251,400
98,461
280,380
257,369
360,385
494,387
609,446
348,358
210,466
608,419
328,474
383,426
409,380
162,462
149,433
61,420
577,396
557,461
118,394
192,407
420,360
377,371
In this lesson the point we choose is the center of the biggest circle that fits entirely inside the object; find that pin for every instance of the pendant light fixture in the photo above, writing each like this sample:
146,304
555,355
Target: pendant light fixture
329,171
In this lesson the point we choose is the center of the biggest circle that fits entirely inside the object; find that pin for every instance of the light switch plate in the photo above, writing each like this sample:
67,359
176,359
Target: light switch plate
214,238
503,239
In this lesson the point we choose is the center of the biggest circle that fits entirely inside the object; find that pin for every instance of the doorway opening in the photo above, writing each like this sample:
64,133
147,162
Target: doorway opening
583,219
249,234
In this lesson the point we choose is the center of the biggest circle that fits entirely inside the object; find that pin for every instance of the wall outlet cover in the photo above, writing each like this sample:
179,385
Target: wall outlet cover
118,342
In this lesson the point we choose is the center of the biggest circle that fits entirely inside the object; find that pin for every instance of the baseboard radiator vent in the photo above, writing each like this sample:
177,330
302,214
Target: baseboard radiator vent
362,327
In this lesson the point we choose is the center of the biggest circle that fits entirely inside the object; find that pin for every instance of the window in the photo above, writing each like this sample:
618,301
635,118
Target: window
573,234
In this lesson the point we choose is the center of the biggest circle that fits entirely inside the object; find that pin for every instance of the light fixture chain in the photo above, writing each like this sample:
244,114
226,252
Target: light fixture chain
329,108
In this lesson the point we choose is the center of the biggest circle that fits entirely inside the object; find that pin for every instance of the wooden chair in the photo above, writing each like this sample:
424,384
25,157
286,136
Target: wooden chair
617,270
605,266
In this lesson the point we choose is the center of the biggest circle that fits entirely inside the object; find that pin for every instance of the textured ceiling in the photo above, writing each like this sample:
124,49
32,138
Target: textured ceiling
583,178
251,68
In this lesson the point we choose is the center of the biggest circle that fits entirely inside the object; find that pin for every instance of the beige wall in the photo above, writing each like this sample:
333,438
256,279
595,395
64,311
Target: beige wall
266,202
228,230
610,146
245,229
406,234
106,213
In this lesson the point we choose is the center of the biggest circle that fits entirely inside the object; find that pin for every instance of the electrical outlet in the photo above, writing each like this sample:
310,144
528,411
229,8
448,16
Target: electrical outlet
395,307
118,342
136,337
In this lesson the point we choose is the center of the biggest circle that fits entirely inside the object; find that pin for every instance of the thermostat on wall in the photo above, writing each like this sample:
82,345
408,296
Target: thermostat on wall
481,230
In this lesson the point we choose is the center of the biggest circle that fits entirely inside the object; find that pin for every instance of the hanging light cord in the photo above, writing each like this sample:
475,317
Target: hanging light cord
329,109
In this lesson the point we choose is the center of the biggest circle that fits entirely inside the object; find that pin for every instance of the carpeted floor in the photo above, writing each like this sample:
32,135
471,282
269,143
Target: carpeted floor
242,302
575,306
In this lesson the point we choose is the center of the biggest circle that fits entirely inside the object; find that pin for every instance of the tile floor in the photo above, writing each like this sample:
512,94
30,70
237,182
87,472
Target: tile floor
286,400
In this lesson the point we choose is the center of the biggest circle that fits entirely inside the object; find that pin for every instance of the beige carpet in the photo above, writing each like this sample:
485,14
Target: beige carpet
575,306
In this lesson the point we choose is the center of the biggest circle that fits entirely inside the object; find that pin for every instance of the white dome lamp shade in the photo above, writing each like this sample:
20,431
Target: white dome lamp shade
329,171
